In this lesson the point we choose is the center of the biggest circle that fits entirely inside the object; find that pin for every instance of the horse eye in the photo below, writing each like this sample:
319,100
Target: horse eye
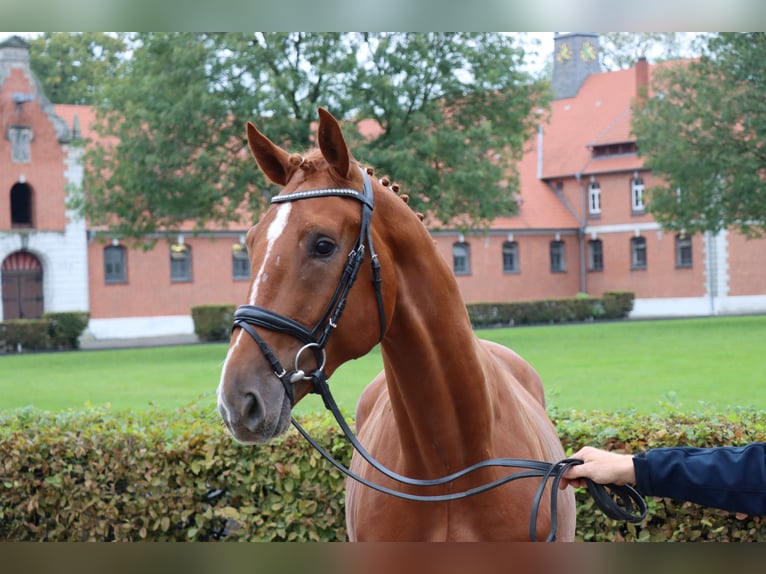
324,248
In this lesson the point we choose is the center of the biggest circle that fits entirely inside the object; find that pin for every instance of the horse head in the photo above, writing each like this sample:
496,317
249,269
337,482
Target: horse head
302,319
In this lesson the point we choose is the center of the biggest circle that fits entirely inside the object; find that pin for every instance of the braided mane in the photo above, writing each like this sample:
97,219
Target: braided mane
313,161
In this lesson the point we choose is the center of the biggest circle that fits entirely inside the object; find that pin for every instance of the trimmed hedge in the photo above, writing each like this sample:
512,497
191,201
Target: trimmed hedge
98,475
617,304
213,322
613,305
60,330
25,335
65,328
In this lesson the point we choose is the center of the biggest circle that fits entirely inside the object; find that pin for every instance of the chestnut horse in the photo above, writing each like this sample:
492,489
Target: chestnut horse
445,400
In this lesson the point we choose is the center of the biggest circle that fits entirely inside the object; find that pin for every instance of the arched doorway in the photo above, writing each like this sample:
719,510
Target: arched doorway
22,286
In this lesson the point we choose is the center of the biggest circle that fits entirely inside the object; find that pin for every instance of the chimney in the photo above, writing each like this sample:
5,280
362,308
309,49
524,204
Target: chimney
642,78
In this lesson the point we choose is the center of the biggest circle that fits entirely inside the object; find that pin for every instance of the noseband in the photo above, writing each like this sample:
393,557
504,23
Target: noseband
248,316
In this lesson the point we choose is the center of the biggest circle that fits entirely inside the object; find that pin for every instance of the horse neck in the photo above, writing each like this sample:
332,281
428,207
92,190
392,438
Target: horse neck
436,369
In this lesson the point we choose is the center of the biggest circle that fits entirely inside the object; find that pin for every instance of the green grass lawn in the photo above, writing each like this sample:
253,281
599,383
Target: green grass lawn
720,362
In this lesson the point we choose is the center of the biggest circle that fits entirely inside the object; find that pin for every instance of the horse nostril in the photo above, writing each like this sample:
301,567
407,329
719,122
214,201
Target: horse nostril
252,410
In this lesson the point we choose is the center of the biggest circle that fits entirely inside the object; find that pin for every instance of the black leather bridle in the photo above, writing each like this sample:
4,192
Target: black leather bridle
248,316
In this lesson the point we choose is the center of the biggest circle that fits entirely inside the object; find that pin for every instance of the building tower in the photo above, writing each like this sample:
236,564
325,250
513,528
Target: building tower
575,57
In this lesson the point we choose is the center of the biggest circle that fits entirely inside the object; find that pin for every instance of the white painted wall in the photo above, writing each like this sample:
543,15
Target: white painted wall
697,306
138,327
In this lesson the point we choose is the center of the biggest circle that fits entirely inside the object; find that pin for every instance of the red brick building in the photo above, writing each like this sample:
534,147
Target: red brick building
581,225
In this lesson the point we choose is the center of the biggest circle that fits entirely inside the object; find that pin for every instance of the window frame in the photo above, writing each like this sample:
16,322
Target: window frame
557,250
510,251
238,256
180,257
465,268
637,189
595,256
115,278
594,199
638,256
22,205
684,247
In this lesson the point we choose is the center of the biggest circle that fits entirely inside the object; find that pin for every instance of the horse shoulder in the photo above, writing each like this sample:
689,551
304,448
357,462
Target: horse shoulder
519,368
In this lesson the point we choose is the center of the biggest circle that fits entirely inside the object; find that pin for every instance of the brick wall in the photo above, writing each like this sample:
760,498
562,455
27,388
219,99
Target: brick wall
746,265
45,172
661,278
149,290
487,282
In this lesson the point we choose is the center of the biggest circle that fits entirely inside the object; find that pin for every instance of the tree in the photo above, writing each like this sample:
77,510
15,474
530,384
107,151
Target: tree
279,79
621,50
704,132
72,66
177,148
454,110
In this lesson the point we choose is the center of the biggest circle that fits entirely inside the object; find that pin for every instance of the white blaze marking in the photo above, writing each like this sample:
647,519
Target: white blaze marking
272,234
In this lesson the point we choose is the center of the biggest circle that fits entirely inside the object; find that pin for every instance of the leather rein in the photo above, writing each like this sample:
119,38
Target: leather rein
315,339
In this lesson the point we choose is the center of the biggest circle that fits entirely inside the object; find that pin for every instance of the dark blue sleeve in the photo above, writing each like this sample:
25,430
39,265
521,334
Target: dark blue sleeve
731,478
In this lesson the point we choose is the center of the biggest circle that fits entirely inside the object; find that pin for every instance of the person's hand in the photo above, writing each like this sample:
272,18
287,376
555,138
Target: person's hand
600,466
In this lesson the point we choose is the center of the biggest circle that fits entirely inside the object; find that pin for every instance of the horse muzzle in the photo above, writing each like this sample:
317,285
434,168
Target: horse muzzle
252,417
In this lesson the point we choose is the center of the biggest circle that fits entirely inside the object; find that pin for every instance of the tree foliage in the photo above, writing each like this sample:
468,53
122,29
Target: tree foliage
704,132
454,111
170,145
621,50
73,66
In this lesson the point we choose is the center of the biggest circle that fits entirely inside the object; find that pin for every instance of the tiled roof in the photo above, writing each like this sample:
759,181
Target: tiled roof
577,122
539,207
617,132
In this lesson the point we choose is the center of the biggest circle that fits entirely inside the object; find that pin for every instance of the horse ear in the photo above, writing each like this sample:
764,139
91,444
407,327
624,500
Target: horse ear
332,144
272,159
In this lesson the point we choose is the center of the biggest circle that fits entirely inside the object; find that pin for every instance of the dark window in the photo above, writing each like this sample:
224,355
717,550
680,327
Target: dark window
638,253
180,263
461,259
510,257
240,262
557,256
21,205
615,149
683,251
595,255
115,259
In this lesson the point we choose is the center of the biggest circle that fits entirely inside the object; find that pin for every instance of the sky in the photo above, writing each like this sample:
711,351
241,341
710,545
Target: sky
389,15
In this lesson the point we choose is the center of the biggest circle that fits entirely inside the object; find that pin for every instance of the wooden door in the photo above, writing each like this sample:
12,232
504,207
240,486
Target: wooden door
22,286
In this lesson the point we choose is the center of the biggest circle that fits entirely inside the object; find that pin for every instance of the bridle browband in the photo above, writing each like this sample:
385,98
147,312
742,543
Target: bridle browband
248,316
